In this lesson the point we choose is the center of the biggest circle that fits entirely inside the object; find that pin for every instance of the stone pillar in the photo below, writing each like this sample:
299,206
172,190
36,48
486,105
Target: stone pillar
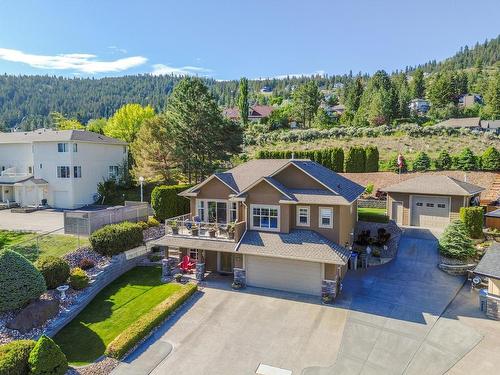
493,307
329,289
240,276
200,271
166,271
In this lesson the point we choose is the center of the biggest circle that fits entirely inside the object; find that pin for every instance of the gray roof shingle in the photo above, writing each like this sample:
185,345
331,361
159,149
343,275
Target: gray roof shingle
299,244
489,265
46,135
434,184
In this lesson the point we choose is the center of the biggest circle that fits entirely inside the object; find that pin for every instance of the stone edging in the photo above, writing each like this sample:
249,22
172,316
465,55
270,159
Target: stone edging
455,267
117,267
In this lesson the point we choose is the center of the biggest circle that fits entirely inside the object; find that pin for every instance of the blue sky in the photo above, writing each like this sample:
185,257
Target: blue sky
230,39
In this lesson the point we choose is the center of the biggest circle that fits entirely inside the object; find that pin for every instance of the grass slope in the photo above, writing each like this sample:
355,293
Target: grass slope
116,307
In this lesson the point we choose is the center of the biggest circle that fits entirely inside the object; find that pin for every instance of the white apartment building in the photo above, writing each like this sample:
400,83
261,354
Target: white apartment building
59,168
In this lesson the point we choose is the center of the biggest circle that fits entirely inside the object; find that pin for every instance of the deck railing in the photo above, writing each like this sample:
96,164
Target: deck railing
184,226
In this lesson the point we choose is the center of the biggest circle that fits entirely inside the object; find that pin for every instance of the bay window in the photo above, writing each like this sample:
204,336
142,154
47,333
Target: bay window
265,217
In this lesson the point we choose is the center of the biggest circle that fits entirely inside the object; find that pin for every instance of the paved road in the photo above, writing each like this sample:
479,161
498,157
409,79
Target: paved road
225,332
38,221
393,326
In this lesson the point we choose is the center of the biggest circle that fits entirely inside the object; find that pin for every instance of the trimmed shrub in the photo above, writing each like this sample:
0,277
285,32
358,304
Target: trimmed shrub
19,279
444,161
466,160
14,357
152,222
116,238
166,203
472,217
355,161
372,157
46,358
78,279
86,264
422,162
143,225
55,270
455,242
147,322
337,159
490,159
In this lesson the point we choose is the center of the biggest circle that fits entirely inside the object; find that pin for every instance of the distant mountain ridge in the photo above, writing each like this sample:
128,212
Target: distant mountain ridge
27,101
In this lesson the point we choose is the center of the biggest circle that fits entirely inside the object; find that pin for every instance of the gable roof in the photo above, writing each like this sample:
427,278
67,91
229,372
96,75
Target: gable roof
47,135
434,184
468,122
255,111
489,265
339,189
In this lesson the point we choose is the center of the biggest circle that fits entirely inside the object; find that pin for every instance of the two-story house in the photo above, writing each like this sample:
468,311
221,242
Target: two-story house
279,224
58,168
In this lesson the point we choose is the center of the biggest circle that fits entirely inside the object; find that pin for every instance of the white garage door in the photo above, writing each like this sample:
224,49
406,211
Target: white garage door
430,211
284,274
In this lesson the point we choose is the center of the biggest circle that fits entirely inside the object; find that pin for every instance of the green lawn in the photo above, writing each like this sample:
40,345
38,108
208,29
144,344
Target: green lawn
376,215
116,307
32,245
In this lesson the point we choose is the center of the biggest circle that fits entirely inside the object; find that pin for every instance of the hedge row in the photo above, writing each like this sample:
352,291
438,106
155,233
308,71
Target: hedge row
166,202
357,159
129,338
116,238
472,217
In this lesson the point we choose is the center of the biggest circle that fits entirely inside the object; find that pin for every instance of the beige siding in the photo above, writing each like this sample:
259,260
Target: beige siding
214,189
399,197
293,178
210,260
456,203
494,287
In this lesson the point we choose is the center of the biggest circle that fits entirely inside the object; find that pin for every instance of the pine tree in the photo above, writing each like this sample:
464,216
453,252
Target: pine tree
422,162
466,160
417,85
243,100
455,242
490,159
444,161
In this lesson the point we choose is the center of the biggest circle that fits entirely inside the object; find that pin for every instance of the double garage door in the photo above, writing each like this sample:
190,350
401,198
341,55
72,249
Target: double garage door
430,211
284,274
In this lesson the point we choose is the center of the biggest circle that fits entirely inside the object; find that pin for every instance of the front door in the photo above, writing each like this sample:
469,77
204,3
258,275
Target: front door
226,262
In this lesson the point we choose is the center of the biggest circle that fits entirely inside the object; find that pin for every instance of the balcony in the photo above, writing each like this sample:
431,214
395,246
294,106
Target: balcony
185,226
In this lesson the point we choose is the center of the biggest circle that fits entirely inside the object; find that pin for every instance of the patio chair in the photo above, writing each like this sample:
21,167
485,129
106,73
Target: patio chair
186,265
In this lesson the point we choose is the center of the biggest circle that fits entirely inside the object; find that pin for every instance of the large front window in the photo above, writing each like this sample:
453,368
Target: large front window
63,172
265,217
212,211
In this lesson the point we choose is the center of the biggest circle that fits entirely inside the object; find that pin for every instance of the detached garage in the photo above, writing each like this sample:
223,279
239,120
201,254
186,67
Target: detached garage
430,201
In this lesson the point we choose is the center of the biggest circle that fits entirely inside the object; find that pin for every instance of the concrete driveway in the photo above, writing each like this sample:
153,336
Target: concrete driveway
38,221
394,326
225,332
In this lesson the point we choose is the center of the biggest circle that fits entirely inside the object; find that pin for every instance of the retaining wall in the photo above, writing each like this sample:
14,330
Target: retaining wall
372,203
118,266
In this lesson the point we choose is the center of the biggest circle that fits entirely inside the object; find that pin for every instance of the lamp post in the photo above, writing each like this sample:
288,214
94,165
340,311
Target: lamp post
141,181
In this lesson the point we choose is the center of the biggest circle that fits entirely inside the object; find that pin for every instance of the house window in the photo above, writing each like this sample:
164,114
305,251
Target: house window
419,204
113,172
303,216
30,169
62,147
193,254
429,204
75,147
77,172
265,217
200,209
124,149
441,205
233,212
217,212
325,217
63,172
41,165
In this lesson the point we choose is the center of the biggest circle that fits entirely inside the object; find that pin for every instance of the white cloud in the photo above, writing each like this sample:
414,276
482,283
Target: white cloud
298,75
117,49
162,69
80,62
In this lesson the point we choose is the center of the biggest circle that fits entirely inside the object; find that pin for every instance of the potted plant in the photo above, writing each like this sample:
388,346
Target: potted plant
194,230
174,226
237,285
212,229
327,299
230,231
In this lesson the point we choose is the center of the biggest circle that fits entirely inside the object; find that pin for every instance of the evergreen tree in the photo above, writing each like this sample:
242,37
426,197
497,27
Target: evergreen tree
243,100
417,85
444,161
490,159
455,242
353,93
492,97
306,101
466,160
422,162
46,358
372,158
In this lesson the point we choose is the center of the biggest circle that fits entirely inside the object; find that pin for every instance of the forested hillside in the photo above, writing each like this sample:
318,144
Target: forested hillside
27,101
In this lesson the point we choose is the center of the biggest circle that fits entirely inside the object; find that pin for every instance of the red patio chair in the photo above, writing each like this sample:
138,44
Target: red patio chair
186,265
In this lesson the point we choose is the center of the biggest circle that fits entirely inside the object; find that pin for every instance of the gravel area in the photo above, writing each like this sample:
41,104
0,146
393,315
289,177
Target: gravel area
75,257
154,233
102,367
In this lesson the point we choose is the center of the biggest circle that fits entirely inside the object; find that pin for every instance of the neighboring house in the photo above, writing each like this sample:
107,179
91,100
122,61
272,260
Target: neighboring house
493,219
420,106
492,126
473,123
489,266
293,220
430,201
469,100
60,168
255,113
266,89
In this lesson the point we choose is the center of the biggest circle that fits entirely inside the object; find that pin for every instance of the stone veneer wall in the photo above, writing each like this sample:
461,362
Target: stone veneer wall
455,267
240,276
493,307
118,266
329,288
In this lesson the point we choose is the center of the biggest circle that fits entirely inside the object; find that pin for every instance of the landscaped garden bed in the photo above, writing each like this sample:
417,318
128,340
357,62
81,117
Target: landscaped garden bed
116,308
